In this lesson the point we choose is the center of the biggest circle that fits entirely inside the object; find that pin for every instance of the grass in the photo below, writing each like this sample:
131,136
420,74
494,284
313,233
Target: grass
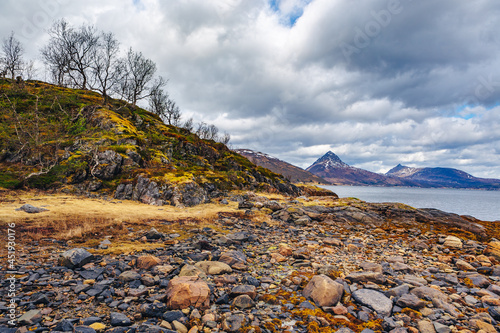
83,220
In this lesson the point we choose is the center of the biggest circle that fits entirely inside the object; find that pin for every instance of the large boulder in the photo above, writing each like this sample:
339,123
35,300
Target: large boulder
76,257
323,291
186,291
375,300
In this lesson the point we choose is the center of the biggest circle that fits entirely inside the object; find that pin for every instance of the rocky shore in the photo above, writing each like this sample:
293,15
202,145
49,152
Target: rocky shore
317,266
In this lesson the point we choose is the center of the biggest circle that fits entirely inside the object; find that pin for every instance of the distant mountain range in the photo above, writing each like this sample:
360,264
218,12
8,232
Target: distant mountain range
291,172
331,168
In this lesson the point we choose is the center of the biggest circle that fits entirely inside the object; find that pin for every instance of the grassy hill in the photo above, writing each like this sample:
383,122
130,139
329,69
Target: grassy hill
53,137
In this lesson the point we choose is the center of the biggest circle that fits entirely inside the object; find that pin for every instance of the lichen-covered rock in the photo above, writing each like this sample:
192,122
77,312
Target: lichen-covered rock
186,291
108,164
323,291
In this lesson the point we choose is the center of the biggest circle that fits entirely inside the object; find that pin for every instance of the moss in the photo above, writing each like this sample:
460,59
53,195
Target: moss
9,180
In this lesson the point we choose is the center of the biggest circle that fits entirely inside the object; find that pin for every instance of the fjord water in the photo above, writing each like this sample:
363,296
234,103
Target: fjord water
483,205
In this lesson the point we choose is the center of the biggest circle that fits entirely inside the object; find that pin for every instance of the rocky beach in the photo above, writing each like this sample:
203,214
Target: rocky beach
309,264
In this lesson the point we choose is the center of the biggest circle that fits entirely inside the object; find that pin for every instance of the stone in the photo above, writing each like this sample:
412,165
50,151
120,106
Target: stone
119,319
371,267
485,327
366,277
64,326
156,309
190,270
452,241
440,328
98,327
244,290
438,303
398,291
374,300
75,258
30,318
430,293
147,262
179,327
410,301
426,326
153,234
479,281
186,291
83,329
213,267
414,280
464,266
170,316
233,257
243,302
323,290
163,269
233,322
31,209
128,276
493,250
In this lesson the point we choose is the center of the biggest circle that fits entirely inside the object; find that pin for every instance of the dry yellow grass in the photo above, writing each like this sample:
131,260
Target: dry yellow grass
84,219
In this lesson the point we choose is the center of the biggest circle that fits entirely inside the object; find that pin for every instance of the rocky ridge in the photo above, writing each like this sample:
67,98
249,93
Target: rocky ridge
317,265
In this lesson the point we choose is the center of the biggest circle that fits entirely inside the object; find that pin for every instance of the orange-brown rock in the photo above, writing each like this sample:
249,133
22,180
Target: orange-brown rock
493,250
323,291
285,250
186,291
147,262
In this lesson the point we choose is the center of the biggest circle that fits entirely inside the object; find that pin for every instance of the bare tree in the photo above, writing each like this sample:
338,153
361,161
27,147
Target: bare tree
225,138
137,73
29,70
161,104
12,58
71,52
188,125
105,66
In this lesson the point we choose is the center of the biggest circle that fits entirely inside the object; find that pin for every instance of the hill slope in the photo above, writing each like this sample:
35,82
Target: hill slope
290,171
333,169
58,138
442,177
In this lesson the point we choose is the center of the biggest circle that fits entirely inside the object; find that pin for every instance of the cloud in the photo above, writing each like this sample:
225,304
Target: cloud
378,82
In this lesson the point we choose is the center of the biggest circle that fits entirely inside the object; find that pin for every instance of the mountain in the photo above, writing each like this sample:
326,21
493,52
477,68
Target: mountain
331,168
56,138
291,172
442,177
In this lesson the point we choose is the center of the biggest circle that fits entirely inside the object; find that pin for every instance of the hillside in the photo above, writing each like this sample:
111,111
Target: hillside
442,177
331,168
290,171
65,139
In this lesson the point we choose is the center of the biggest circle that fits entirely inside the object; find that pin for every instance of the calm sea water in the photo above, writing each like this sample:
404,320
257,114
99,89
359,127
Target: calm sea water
483,205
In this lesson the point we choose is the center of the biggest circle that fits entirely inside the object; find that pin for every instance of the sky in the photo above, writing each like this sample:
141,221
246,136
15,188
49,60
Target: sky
378,82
